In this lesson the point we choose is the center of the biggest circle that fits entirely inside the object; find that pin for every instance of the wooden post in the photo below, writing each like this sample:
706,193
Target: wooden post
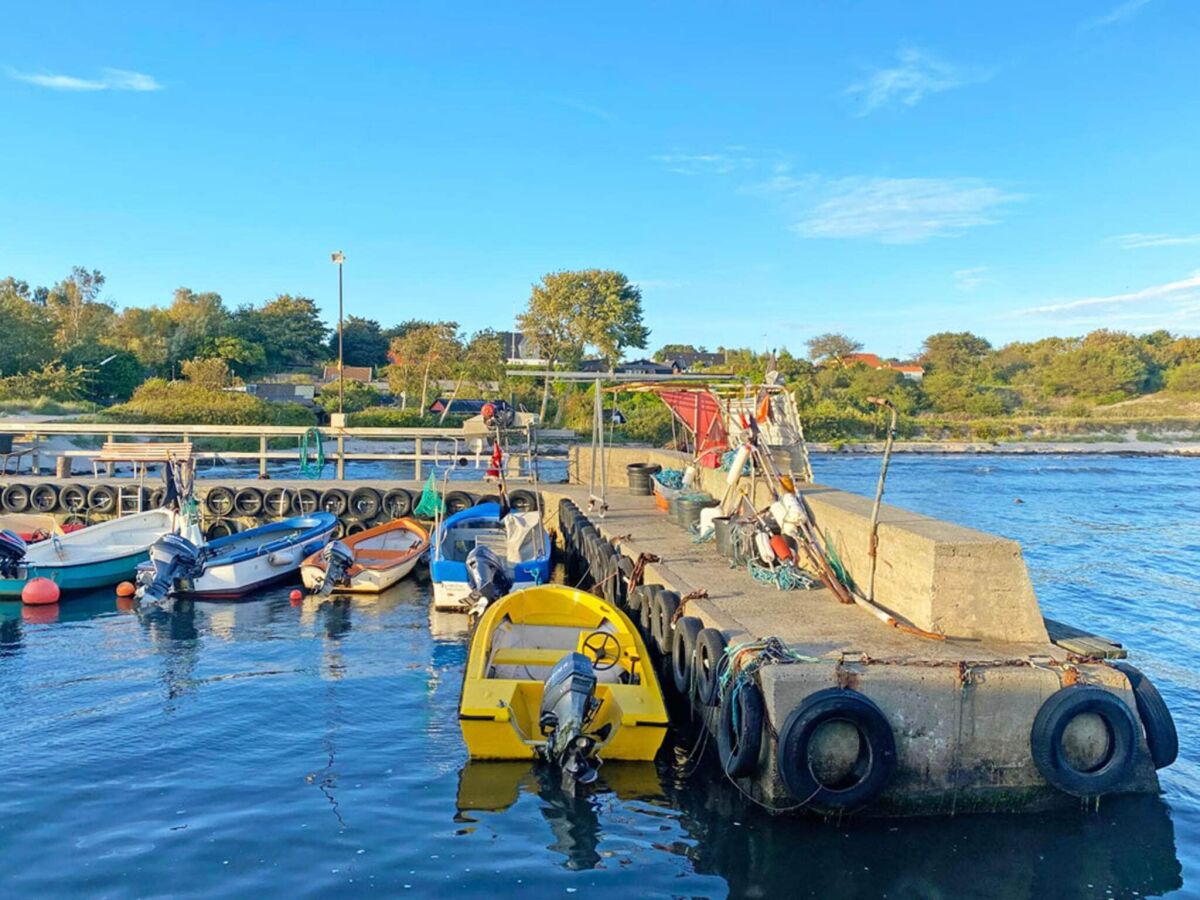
262,456
108,467
341,454
417,461
37,453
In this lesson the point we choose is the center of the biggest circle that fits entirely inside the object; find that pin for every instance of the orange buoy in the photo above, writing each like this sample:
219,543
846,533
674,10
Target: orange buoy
40,615
40,592
295,595
125,589
782,549
124,604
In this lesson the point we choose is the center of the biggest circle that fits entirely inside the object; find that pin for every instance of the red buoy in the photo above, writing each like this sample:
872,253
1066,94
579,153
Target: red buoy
295,596
40,592
782,549
125,589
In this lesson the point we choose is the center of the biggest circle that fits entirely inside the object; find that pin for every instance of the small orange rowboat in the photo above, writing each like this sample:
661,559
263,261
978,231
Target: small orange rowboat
382,556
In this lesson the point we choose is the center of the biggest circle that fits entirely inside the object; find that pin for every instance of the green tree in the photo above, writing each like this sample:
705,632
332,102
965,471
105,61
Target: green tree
1184,379
289,329
1106,365
957,351
146,333
570,311
831,346
28,330
75,305
108,374
364,343
359,396
244,358
210,374
424,354
194,320
668,352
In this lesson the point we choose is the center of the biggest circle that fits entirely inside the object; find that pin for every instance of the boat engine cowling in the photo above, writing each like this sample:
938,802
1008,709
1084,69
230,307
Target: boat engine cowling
487,577
568,704
12,551
172,558
338,559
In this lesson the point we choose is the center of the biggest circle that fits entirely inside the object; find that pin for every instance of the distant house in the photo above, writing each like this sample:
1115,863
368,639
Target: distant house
457,406
911,371
521,350
635,367
362,374
687,361
282,392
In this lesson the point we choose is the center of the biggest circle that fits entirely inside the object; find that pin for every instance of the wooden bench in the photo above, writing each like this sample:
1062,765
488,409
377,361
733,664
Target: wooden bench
141,455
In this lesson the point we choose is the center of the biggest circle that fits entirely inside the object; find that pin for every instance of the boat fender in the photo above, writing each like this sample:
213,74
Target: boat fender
689,476
101,498
866,778
523,500
219,500
247,501
683,650
782,550
457,501
625,567
710,650
647,613
72,497
668,602
335,502
40,592
397,503
281,557
739,729
365,503
637,597
612,578
15,498
1161,737
738,464
1050,753
43,497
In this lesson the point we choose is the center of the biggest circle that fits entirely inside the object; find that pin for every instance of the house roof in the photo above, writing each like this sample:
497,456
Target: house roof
867,359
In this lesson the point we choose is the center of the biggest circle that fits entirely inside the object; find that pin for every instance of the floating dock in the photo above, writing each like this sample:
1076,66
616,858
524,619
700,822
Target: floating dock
855,715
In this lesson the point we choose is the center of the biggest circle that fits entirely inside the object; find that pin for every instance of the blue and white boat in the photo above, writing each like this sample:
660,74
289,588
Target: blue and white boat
230,567
518,540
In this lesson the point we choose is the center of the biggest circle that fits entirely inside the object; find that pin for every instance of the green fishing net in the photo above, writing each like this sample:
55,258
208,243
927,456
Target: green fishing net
431,502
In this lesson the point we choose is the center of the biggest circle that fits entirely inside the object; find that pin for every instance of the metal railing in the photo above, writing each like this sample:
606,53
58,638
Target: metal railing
420,446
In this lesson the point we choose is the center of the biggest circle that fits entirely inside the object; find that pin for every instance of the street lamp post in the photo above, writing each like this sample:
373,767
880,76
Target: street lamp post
339,257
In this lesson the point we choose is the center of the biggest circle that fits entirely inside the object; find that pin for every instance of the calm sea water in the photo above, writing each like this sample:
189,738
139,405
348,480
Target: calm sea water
312,750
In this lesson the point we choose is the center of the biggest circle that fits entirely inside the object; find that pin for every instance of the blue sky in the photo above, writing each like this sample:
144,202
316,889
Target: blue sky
764,171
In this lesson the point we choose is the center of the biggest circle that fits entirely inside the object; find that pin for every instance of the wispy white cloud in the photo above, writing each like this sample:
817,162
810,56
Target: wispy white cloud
1117,14
915,76
731,159
888,210
1175,304
109,80
1138,240
969,279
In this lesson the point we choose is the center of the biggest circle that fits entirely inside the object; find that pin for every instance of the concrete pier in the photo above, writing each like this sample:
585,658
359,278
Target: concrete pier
961,709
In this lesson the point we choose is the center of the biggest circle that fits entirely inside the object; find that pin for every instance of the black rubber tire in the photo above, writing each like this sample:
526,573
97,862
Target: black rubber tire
219,501
487,498
397,503
220,528
1161,736
523,500
608,568
154,500
335,501
683,650
639,596
305,501
73,498
710,650
456,501
277,502
624,571
739,744
355,527
248,501
43,498
875,732
1046,740
647,614
365,503
339,530
664,612
15,498
101,498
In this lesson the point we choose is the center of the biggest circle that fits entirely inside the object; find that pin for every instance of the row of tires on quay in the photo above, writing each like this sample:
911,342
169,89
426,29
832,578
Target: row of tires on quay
692,658
224,501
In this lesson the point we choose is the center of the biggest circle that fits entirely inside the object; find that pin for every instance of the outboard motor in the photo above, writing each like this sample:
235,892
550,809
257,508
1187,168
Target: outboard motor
12,551
338,559
568,704
498,414
489,582
172,559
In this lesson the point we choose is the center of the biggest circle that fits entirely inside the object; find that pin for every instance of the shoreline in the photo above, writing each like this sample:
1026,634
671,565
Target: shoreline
1016,448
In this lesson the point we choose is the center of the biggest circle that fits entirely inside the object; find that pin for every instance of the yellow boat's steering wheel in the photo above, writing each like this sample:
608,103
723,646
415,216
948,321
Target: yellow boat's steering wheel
599,643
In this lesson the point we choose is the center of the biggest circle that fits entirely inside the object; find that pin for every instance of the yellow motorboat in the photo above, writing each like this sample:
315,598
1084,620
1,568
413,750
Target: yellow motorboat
562,674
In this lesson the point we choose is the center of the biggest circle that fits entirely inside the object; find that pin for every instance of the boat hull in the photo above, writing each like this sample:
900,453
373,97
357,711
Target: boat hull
368,581
84,577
